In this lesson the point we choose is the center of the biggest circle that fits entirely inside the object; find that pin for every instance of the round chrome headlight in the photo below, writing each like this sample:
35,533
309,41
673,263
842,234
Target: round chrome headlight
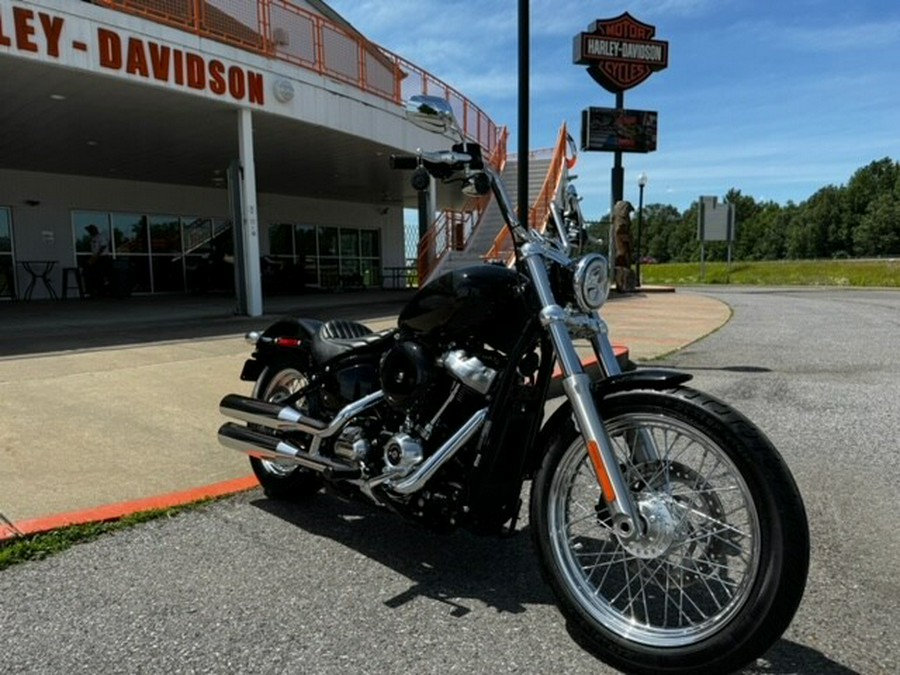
591,281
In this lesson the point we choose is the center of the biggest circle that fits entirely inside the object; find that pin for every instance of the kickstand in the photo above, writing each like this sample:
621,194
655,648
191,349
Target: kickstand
509,530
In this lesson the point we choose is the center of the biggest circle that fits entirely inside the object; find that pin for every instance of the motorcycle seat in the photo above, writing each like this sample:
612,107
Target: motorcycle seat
339,336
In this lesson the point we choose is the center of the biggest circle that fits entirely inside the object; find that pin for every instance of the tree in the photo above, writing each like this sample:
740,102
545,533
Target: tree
762,236
878,232
657,225
861,218
817,220
745,207
869,182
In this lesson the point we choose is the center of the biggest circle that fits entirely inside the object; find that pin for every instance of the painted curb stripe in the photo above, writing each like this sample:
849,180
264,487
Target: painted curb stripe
122,509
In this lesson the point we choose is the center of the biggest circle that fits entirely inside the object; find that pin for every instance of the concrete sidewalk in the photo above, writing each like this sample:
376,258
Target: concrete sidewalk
108,403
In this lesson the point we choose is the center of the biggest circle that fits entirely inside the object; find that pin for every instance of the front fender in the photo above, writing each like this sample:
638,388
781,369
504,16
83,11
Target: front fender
655,379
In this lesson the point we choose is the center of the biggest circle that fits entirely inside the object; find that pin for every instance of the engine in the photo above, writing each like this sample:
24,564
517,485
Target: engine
428,397
431,396
436,396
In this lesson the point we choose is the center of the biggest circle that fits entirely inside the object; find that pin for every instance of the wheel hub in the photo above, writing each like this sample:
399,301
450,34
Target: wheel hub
661,527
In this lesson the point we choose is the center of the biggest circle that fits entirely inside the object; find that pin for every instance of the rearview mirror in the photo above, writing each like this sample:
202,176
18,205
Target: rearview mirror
432,113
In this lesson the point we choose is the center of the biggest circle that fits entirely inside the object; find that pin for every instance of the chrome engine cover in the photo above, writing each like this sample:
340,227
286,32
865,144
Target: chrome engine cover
402,453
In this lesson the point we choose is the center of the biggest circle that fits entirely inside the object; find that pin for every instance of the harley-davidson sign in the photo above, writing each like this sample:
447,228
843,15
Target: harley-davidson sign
620,53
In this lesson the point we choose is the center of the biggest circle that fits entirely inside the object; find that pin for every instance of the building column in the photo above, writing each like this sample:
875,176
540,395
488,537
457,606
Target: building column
250,231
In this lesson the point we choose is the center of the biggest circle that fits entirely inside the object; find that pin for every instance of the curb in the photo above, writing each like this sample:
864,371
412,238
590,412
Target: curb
99,514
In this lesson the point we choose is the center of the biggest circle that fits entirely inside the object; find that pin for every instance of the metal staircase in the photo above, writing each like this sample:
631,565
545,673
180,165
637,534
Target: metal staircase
482,238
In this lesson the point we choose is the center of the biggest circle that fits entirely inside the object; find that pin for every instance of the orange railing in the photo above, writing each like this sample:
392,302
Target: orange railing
503,248
281,30
451,230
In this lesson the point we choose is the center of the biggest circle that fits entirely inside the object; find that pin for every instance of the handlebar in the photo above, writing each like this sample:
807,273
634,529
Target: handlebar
436,163
444,163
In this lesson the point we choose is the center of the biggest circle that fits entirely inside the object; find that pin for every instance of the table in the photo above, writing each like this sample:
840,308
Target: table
38,270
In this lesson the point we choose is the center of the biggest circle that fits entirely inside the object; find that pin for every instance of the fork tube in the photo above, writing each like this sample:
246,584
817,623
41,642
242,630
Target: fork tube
643,446
577,386
603,350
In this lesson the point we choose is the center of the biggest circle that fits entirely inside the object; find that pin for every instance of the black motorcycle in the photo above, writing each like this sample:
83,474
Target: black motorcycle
668,526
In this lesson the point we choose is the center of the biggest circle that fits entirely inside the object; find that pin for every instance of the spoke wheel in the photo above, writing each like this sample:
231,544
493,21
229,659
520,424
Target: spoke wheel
693,570
283,480
720,567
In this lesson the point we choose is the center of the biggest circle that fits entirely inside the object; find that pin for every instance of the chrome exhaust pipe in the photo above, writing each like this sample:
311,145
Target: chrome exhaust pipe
286,418
417,479
266,414
265,446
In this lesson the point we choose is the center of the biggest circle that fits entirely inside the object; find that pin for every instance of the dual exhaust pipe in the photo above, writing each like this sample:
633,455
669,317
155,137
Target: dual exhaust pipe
275,419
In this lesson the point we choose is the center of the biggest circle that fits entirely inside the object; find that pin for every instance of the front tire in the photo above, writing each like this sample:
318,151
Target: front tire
722,570
285,481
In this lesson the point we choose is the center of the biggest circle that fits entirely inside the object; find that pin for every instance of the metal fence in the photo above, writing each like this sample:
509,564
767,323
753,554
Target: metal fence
279,29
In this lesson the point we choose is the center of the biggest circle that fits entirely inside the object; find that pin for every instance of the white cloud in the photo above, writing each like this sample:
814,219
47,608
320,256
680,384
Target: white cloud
840,36
773,100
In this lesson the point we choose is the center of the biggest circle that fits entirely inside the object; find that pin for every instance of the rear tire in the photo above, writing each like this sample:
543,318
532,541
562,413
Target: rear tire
725,571
284,481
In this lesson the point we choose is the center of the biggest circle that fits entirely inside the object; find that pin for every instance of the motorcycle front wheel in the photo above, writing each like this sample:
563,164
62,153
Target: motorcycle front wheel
722,568
283,480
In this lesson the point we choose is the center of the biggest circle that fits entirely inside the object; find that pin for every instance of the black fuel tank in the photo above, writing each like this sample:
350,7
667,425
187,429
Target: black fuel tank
481,301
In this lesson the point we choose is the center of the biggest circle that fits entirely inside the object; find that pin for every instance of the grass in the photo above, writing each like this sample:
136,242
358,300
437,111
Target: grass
852,273
40,546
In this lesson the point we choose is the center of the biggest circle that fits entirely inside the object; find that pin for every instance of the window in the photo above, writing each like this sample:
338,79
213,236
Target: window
328,256
368,244
349,243
281,240
80,221
166,260
129,234
307,254
156,253
131,245
328,242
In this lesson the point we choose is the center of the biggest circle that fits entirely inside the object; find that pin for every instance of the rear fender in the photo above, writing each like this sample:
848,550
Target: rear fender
650,378
284,341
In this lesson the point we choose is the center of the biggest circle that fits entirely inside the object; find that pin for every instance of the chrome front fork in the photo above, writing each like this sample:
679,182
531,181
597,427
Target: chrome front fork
577,386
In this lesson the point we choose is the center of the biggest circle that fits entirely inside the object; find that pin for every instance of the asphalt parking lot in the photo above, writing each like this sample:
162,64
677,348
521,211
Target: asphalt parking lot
250,585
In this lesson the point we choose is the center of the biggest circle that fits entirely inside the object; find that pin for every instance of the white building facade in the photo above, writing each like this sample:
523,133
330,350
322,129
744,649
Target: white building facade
201,134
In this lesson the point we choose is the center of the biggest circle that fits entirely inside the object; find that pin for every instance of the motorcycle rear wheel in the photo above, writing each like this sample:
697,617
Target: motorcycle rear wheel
725,570
285,481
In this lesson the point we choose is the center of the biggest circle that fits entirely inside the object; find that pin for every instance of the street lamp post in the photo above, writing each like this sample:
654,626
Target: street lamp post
642,183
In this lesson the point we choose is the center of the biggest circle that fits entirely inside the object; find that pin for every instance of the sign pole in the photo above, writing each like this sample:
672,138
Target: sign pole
522,183
617,185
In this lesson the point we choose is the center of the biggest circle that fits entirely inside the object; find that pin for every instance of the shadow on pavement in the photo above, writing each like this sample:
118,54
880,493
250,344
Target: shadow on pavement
499,572
502,573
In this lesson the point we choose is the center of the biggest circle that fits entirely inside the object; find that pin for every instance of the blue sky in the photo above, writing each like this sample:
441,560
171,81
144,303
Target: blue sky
776,99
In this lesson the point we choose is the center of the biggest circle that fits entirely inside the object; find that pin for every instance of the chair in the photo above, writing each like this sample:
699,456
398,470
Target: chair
79,284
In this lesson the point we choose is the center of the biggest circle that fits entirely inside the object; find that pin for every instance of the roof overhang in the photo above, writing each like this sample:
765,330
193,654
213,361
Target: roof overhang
56,118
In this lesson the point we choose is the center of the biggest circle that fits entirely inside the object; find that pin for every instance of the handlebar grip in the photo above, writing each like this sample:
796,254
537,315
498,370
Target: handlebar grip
404,162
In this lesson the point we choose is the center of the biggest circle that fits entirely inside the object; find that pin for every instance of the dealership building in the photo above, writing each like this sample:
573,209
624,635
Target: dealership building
215,145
